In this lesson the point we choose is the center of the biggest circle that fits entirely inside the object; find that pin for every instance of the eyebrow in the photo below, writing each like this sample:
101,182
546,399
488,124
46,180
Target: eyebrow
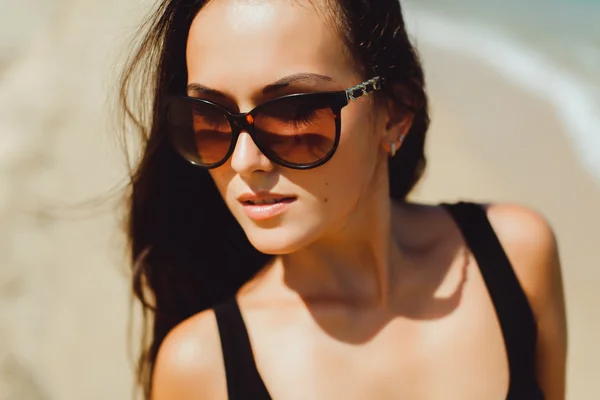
288,80
199,89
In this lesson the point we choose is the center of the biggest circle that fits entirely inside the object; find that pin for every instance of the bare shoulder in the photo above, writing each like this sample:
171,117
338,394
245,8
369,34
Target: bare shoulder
525,233
189,364
530,244
526,236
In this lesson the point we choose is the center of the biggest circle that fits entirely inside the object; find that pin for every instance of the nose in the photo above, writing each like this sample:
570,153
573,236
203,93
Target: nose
247,157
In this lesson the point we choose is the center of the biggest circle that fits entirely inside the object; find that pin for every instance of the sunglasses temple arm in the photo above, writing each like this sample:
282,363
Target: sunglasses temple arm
363,89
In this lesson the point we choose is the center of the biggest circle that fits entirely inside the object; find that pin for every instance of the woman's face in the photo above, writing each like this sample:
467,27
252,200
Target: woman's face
237,47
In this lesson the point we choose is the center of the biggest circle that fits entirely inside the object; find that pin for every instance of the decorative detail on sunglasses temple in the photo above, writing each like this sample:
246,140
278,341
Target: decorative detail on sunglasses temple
363,89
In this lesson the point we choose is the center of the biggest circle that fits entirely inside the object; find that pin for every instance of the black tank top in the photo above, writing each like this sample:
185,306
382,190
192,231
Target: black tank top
512,308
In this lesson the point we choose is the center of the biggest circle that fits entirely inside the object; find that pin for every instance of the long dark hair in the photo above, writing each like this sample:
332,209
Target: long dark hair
187,251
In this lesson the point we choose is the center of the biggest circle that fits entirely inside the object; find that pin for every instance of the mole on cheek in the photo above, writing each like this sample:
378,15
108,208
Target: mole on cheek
325,200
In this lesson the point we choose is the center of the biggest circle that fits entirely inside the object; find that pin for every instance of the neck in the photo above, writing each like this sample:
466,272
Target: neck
354,264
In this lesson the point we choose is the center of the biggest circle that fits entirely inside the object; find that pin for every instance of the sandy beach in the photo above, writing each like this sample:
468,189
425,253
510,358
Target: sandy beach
64,294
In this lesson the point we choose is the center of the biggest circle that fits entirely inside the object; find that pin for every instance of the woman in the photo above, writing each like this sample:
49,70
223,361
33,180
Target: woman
270,231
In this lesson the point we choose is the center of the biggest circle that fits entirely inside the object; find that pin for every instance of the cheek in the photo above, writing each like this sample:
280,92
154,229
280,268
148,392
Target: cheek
355,162
361,132
349,175
360,140
342,190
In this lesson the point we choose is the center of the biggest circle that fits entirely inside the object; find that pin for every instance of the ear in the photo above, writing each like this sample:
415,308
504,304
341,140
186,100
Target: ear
397,124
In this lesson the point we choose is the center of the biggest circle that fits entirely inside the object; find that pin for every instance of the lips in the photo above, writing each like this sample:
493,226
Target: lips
265,205
267,201
264,198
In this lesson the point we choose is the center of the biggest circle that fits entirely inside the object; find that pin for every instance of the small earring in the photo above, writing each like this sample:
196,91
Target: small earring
392,149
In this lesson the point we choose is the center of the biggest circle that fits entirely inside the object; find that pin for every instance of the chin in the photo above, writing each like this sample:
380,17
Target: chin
278,240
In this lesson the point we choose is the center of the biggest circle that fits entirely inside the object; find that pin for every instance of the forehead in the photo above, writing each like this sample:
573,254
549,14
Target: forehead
234,44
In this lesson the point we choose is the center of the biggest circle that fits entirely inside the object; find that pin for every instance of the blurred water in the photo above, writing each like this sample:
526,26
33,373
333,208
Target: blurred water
549,47
566,30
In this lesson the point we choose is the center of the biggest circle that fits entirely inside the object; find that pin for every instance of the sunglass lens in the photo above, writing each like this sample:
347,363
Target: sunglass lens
297,130
201,131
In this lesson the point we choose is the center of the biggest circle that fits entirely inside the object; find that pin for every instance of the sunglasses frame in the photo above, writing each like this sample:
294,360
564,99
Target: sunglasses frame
240,122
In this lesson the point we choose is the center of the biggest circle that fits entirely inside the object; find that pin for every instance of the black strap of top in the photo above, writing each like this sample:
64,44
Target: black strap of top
243,380
512,307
